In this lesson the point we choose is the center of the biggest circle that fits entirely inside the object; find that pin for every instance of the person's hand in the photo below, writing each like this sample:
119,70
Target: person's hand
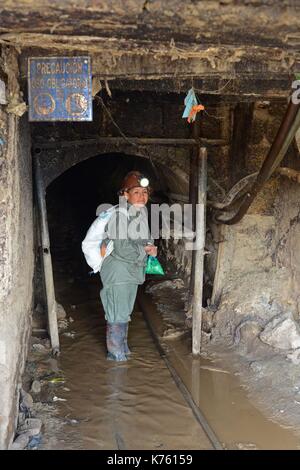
151,250
103,249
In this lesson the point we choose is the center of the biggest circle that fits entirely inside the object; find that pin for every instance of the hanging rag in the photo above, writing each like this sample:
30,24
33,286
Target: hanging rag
192,107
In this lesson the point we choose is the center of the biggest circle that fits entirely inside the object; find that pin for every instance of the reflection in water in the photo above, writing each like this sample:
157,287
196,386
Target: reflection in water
127,405
116,378
136,405
195,388
235,420
233,417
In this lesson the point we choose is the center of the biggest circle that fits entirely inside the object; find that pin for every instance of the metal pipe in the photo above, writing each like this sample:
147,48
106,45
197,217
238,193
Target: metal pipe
47,262
284,137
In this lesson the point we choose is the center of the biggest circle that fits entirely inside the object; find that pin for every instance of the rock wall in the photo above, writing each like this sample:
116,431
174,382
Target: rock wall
257,270
16,264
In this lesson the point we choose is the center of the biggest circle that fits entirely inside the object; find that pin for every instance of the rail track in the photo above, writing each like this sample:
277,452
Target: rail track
215,442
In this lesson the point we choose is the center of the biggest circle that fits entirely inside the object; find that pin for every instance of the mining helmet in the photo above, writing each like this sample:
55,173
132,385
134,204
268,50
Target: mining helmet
134,179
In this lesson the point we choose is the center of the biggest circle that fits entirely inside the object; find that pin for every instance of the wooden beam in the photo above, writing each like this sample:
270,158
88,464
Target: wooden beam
255,71
200,248
47,262
216,89
121,141
193,195
241,130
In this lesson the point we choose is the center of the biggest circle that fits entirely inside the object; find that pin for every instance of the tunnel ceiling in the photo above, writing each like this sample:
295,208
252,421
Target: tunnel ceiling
239,22
255,43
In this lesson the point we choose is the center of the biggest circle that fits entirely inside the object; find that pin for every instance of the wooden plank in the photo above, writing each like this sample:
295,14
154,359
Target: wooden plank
121,141
200,246
193,195
241,129
47,262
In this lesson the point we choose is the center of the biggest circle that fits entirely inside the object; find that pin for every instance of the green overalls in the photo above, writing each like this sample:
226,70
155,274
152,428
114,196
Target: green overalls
124,269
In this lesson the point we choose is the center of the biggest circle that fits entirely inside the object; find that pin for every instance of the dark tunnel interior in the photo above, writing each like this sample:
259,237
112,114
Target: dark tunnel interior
72,200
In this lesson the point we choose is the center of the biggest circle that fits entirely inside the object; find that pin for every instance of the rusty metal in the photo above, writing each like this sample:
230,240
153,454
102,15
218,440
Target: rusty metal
234,194
284,136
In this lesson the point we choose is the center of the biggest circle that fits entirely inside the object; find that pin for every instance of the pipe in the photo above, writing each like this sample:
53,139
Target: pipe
47,262
132,140
284,137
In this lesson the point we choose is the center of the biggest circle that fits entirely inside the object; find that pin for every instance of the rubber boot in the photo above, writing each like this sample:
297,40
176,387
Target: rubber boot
115,337
126,348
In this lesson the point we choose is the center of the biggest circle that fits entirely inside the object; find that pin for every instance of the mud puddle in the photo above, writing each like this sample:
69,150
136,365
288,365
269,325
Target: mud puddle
234,418
107,405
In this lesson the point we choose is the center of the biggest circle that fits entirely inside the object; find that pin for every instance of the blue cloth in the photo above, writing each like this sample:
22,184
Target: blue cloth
189,101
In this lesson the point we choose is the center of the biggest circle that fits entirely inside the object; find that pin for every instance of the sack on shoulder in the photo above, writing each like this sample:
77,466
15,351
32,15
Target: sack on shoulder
91,245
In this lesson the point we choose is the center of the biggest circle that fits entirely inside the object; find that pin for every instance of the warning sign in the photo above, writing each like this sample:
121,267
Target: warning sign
60,89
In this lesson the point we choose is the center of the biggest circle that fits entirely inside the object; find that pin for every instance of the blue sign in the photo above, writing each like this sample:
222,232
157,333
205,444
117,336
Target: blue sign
60,89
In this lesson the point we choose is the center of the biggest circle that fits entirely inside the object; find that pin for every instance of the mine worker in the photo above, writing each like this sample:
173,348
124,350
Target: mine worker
124,269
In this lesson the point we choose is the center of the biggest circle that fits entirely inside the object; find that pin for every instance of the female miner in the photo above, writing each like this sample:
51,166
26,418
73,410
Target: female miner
124,269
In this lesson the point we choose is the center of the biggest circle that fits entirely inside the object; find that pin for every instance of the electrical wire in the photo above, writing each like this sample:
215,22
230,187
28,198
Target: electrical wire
144,151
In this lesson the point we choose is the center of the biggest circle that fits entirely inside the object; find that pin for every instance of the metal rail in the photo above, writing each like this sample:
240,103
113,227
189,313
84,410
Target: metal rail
217,445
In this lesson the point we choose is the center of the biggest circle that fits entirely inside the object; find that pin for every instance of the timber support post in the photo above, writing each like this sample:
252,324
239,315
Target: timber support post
46,255
199,249
193,195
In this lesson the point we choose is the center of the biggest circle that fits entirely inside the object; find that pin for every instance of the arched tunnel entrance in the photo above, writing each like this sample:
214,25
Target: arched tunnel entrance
72,200
132,405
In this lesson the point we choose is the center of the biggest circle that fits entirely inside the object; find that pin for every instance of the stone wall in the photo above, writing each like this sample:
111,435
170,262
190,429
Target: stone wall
16,264
257,272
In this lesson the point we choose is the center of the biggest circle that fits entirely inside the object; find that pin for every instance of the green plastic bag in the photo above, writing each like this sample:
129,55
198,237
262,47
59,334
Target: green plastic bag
154,266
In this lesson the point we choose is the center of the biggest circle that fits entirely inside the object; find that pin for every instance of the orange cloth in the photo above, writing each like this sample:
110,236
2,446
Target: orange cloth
103,249
195,109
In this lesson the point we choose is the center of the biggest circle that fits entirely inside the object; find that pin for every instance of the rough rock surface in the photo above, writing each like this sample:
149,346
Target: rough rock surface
282,333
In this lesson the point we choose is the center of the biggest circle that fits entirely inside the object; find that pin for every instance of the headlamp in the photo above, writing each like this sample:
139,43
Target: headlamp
144,182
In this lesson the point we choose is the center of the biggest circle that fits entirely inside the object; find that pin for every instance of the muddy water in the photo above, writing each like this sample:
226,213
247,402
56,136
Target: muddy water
131,405
235,420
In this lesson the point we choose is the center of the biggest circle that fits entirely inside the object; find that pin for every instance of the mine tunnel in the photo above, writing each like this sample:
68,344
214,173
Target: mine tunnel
73,198
72,202
203,99
80,174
